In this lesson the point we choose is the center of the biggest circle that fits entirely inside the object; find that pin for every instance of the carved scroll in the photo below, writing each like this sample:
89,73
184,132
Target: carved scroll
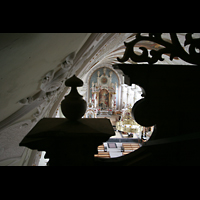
172,47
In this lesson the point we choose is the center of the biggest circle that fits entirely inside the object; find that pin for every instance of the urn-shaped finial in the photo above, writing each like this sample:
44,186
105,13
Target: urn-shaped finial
73,106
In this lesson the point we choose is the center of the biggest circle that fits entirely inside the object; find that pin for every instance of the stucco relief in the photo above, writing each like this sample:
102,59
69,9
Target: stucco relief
10,151
51,82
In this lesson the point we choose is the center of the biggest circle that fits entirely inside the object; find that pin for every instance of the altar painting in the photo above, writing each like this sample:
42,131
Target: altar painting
103,99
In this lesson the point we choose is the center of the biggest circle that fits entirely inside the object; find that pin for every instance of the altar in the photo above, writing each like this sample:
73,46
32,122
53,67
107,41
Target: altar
107,94
104,91
103,112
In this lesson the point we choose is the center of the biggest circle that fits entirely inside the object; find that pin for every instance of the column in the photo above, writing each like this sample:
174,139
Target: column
95,100
129,95
110,100
130,98
114,101
97,103
122,94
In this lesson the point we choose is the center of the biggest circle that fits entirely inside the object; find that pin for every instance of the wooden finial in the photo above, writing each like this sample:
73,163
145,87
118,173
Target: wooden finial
73,106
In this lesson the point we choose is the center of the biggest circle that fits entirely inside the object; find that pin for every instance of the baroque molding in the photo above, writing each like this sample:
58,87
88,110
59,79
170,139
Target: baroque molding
10,152
51,85
172,47
52,81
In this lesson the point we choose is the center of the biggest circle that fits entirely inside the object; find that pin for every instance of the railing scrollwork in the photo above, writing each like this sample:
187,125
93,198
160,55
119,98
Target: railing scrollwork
173,47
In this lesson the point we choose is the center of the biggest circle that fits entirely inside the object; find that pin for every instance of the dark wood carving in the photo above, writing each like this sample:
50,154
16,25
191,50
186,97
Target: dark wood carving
171,103
173,48
72,141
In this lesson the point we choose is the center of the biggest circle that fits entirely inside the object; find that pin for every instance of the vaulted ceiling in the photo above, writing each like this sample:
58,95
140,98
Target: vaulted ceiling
25,58
29,59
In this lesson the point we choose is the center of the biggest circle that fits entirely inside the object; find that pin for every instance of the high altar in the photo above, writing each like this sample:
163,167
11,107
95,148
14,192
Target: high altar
107,92
104,92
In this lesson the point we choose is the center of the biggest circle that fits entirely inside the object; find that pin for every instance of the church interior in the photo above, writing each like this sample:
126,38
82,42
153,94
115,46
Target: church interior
34,68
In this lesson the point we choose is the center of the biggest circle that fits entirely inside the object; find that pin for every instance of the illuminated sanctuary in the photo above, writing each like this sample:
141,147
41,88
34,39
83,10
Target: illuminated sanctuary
106,92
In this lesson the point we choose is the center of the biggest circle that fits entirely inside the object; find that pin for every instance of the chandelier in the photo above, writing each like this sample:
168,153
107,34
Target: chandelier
127,123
